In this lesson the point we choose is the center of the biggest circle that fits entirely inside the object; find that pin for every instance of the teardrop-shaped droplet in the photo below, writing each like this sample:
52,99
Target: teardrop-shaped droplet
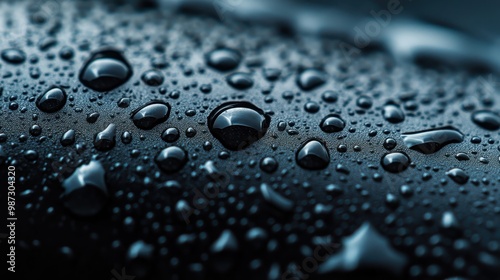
148,116
432,140
68,138
85,191
171,159
313,155
332,123
238,124
52,100
105,140
240,80
393,114
310,79
13,56
223,59
458,176
395,162
486,119
106,69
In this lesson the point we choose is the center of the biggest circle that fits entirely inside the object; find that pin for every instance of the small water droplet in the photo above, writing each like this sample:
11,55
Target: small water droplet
238,124
240,80
223,59
68,138
458,176
393,114
332,123
268,164
105,70
310,79
313,155
390,143
171,159
105,140
170,135
152,78
148,116
52,100
395,162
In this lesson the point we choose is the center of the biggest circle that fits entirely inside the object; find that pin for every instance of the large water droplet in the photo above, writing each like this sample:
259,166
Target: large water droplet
149,115
13,56
313,155
105,140
85,191
395,162
238,124
393,114
432,140
223,59
171,159
106,69
52,100
332,123
486,119
310,79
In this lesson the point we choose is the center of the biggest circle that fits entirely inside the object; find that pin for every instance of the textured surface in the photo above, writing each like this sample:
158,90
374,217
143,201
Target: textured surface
257,221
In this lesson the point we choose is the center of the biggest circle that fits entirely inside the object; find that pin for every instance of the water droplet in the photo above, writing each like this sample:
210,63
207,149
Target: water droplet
462,156
92,117
393,114
276,199
105,140
365,249
170,135
13,56
458,175
68,138
151,114
364,102
223,59
85,191
52,100
238,124
313,155
329,96
126,137
105,70
390,143
139,259
332,123
486,119
152,78
268,164
66,53
271,74
310,79
240,80
35,130
395,162
171,159
224,251
432,140
311,107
